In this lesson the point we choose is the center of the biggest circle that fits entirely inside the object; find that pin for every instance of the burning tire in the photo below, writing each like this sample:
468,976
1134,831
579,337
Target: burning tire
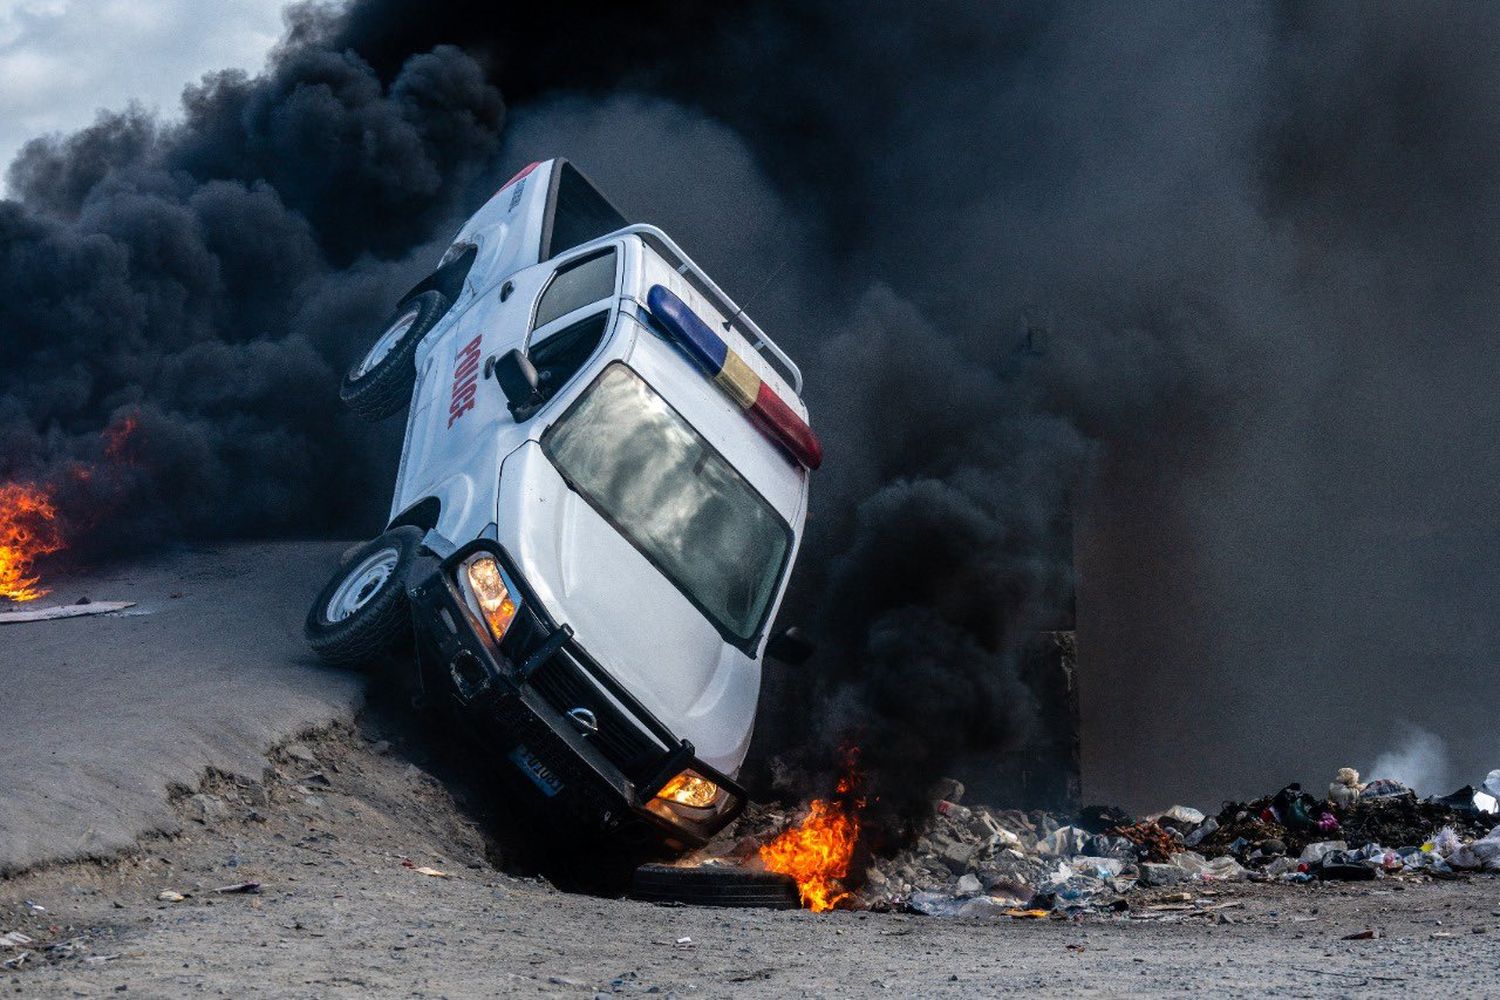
715,885
362,616
380,384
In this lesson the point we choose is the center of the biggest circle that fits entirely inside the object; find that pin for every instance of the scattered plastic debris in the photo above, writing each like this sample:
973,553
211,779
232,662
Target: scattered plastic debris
1344,790
1220,869
1184,815
1482,854
976,861
63,611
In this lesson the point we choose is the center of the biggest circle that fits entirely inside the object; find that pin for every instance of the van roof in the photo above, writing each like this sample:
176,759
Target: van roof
549,208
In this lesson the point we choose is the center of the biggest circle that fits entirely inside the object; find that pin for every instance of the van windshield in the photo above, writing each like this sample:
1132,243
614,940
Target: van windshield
644,468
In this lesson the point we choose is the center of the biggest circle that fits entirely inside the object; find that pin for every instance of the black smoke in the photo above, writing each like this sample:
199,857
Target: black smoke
176,300
1260,241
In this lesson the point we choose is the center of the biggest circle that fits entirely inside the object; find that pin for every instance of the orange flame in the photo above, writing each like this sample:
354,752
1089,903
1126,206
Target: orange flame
117,436
28,530
817,851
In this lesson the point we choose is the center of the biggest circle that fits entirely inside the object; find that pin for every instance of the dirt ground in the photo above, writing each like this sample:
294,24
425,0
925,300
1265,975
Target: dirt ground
340,827
209,668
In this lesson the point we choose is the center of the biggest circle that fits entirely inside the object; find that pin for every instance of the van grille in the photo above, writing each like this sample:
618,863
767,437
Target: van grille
564,684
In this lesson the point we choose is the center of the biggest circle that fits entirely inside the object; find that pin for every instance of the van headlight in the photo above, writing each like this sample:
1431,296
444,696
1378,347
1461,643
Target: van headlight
491,594
695,803
689,788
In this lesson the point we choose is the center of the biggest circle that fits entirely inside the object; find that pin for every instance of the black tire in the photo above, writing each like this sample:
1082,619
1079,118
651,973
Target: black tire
362,615
386,387
715,885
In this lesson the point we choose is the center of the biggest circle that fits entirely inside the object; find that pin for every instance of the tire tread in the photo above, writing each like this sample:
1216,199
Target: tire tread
386,388
711,886
374,632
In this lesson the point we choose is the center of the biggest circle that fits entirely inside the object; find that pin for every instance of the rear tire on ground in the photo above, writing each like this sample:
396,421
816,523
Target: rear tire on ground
362,616
380,383
715,885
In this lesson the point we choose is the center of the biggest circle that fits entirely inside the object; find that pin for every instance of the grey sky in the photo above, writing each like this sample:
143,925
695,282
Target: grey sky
63,60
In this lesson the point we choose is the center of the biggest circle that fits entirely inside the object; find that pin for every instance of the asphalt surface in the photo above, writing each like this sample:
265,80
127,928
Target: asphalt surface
101,715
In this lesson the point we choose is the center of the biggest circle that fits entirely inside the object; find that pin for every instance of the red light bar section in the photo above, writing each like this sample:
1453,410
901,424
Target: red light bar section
771,413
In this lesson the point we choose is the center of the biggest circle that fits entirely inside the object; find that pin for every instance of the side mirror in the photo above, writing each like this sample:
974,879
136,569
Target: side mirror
518,380
791,646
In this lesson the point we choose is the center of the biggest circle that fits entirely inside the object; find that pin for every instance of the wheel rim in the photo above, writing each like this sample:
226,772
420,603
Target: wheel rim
387,342
362,583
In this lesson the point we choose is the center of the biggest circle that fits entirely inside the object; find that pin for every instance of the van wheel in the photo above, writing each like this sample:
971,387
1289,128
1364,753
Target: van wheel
362,615
380,383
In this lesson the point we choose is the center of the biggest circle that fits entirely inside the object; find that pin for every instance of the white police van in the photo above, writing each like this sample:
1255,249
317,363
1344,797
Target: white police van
601,494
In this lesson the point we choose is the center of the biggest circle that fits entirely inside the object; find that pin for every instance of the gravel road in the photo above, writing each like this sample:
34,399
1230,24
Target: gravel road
337,830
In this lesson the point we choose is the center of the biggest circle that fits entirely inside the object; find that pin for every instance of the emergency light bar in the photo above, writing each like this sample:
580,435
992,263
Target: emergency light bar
712,353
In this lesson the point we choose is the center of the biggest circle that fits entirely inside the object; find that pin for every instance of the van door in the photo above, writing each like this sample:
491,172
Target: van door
572,316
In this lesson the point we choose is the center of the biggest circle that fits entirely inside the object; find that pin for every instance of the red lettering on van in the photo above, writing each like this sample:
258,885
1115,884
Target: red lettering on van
465,385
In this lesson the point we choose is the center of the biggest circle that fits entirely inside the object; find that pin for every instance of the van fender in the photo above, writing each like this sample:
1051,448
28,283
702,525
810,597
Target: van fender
448,278
423,514
459,514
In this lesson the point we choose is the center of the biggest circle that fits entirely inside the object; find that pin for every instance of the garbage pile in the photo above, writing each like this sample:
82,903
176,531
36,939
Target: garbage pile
976,861
982,862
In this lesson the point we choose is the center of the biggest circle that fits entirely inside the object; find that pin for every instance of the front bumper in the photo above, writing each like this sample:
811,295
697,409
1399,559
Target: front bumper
606,761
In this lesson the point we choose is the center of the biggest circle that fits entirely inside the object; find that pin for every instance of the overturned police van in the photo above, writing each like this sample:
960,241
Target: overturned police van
601,493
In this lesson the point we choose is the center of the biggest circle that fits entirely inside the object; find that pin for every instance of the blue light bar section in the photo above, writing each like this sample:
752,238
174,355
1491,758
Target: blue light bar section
704,346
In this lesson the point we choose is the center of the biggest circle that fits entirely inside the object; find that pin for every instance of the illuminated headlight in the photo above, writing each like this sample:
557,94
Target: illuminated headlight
689,788
491,594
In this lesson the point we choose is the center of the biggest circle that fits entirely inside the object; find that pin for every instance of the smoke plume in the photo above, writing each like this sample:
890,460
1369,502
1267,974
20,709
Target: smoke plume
1419,761
177,300
1255,246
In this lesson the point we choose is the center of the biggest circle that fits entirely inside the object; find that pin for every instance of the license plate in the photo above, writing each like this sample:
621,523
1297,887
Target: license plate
540,774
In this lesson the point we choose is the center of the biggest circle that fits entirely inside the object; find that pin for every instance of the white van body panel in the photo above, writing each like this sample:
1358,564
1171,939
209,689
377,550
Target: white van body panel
634,622
489,473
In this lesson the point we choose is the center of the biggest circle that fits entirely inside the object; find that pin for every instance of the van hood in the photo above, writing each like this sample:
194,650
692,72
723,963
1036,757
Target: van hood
630,618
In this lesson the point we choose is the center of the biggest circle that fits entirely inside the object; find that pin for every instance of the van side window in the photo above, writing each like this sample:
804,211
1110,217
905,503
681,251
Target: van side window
558,358
578,212
576,285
